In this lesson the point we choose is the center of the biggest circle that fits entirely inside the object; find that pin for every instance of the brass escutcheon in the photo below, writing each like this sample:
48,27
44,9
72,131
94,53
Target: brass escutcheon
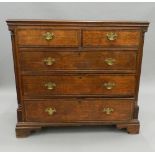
108,110
48,36
50,85
110,61
111,36
49,61
50,111
109,85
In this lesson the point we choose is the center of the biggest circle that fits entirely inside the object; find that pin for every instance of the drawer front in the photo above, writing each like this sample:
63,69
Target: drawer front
98,60
79,85
110,38
48,37
70,110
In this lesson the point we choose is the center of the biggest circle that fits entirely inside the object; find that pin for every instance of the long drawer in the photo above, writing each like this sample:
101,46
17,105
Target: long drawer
90,60
72,110
85,84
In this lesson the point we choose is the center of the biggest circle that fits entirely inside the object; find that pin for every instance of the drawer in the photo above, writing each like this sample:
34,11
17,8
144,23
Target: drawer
111,38
72,110
48,37
98,60
95,84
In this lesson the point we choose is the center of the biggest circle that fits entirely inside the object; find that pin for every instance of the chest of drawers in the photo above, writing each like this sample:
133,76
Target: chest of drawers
77,73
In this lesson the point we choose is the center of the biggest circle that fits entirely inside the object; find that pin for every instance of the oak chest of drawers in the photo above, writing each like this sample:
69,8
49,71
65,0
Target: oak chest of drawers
77,73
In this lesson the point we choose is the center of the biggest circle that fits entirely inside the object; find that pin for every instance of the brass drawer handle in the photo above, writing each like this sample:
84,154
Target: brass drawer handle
49,61
50,111
111,36
48,36
109,85
50,85
110,61
108,110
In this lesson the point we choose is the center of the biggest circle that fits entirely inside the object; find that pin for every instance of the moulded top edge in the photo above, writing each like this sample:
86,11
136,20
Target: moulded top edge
36,21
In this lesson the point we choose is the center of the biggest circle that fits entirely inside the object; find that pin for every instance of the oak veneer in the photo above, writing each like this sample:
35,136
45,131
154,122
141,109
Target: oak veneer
87,84
70,110
97,38
77,73
89,60
63,38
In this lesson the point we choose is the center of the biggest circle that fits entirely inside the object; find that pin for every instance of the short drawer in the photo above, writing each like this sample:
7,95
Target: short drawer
48,37
71,110
90,60
111,38
95,84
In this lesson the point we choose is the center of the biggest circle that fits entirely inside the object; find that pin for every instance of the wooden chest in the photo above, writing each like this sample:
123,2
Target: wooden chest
77,73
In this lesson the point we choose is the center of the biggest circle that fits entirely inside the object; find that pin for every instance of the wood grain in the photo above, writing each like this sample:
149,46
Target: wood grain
78,110
97,38
69,38
79,84
71,60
